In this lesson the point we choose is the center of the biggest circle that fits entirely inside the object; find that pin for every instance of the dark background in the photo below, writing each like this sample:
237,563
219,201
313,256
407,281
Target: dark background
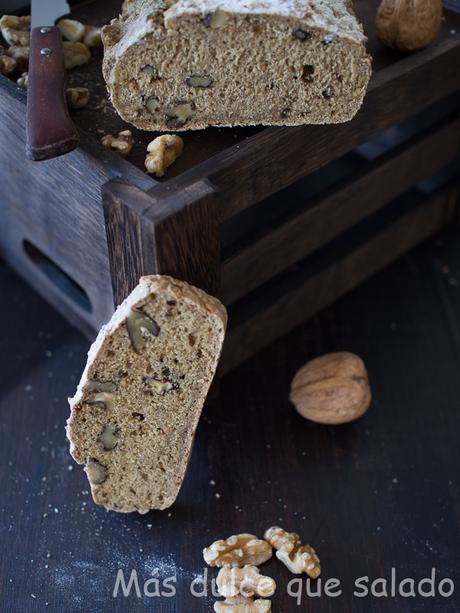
380,493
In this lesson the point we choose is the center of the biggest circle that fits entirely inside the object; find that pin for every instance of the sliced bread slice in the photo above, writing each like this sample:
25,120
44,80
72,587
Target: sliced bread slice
137,406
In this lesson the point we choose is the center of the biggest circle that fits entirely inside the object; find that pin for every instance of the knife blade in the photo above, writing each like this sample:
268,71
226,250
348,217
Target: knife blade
50,130
46,13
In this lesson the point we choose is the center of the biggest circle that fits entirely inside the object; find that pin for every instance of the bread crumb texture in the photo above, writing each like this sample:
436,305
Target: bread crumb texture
137,406
189,64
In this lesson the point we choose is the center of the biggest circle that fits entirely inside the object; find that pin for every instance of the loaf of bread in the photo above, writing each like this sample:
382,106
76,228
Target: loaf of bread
189,64
136,409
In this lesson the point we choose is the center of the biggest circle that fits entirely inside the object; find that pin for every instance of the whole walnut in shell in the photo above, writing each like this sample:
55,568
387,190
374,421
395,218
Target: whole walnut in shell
408,25
332,389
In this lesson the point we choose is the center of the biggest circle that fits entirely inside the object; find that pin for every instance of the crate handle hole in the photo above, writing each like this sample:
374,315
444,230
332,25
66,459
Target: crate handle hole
62,281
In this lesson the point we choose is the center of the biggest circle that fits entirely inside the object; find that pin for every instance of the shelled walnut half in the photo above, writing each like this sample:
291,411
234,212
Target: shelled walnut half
23,80
92,37
162,152
77,97
71,30
97,473
7,65
75,54
238,550
21,55
15,30
243,605
297,557
121,144
246,581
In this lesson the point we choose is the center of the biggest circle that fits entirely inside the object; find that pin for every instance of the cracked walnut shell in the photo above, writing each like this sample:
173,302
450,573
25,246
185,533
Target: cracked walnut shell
408,25
297,557
246,582
238,550
332,389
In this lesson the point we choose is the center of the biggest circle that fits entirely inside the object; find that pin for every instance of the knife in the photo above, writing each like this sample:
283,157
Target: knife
50,131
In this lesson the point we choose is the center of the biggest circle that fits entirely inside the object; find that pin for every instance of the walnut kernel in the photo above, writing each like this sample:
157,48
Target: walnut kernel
23,80
297,557
160,387
242,605
21,55
75,54
109,437
7,65
77,97
179,114
121,144
162,152
152,104
215,20
104,398
96,472
199,81
140,326
238,550
100,392
71,30
92,37
15,30
246,581
100,386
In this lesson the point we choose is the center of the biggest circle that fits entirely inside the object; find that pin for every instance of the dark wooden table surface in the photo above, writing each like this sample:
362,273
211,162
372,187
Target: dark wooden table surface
378,494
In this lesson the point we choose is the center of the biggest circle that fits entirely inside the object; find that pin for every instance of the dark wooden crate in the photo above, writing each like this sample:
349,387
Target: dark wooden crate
279,222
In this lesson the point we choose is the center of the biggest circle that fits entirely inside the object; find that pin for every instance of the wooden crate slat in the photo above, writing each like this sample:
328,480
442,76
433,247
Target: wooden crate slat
149,234
130,236
289,309
339,209
56,206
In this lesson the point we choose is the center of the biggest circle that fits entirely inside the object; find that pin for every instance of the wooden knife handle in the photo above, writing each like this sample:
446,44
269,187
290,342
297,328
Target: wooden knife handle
50,131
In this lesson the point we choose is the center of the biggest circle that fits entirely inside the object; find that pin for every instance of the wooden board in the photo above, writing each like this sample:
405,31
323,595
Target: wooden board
378,494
